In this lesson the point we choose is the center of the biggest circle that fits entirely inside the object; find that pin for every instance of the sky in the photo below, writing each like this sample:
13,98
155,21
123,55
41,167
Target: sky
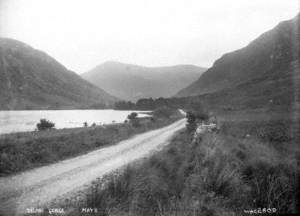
82,34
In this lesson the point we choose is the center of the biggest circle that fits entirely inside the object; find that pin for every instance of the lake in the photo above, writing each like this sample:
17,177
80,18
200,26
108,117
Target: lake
20,121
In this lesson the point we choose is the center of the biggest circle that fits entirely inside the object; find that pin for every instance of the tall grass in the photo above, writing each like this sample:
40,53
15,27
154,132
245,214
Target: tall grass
221,174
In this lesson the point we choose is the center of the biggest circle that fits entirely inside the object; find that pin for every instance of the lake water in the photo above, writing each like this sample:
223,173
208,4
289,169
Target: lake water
19,121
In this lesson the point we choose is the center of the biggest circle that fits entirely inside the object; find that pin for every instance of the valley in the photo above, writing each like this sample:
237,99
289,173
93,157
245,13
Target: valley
151,159
133,82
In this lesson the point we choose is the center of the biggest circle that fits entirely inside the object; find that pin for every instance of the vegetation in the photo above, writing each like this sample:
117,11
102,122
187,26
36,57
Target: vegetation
44,124
223,173
21,151
196,114
133,119
61,88
150,104
191,124
132,116
164,112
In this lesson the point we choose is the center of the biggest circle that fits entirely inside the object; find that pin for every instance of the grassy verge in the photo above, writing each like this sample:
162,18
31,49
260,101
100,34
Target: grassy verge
22,151
248,165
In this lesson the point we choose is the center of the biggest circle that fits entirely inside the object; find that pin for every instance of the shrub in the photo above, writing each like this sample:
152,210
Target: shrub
133,119
191,122
44,124
132,116
193,117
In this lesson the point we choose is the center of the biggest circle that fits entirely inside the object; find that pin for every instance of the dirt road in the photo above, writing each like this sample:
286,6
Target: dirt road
39,186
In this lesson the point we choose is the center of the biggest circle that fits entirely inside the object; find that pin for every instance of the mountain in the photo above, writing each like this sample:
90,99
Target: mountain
269,65
30,79
132,82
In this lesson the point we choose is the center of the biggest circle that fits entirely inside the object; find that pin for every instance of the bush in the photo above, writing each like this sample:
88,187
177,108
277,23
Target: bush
193,117
191,122
44,125
132,116
133,119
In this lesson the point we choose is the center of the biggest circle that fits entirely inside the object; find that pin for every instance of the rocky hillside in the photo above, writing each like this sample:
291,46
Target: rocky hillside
132,82
270,60
30,79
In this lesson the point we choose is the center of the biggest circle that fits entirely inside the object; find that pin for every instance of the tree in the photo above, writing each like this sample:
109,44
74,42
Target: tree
124,105
145,104
164,112
44,125
132,116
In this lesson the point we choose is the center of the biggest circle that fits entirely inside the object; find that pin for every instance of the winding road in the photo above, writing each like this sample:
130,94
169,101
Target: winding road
40,186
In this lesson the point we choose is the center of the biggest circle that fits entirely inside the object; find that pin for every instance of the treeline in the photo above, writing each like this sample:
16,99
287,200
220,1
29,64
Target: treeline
242,97
151,104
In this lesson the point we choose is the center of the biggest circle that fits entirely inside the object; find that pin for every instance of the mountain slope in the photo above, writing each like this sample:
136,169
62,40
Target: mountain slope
271,57
30,79
132,82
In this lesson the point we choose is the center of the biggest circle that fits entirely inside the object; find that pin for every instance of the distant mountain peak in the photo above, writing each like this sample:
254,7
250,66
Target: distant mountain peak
132,82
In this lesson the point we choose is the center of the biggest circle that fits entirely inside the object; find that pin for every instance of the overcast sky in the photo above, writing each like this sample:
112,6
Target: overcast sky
84,33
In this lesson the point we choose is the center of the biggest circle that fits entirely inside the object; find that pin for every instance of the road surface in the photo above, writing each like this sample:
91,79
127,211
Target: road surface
40,186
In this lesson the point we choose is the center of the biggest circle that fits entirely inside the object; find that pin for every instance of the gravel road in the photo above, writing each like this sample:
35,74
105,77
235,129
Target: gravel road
42,185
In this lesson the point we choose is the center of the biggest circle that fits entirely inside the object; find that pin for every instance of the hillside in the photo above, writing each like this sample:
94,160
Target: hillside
132,82
271,63
30,79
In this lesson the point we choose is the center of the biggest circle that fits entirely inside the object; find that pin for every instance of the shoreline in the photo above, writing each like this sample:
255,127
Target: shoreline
22,121
27,150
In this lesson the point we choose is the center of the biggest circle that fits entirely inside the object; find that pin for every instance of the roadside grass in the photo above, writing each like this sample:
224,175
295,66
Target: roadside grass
22,151
222,173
